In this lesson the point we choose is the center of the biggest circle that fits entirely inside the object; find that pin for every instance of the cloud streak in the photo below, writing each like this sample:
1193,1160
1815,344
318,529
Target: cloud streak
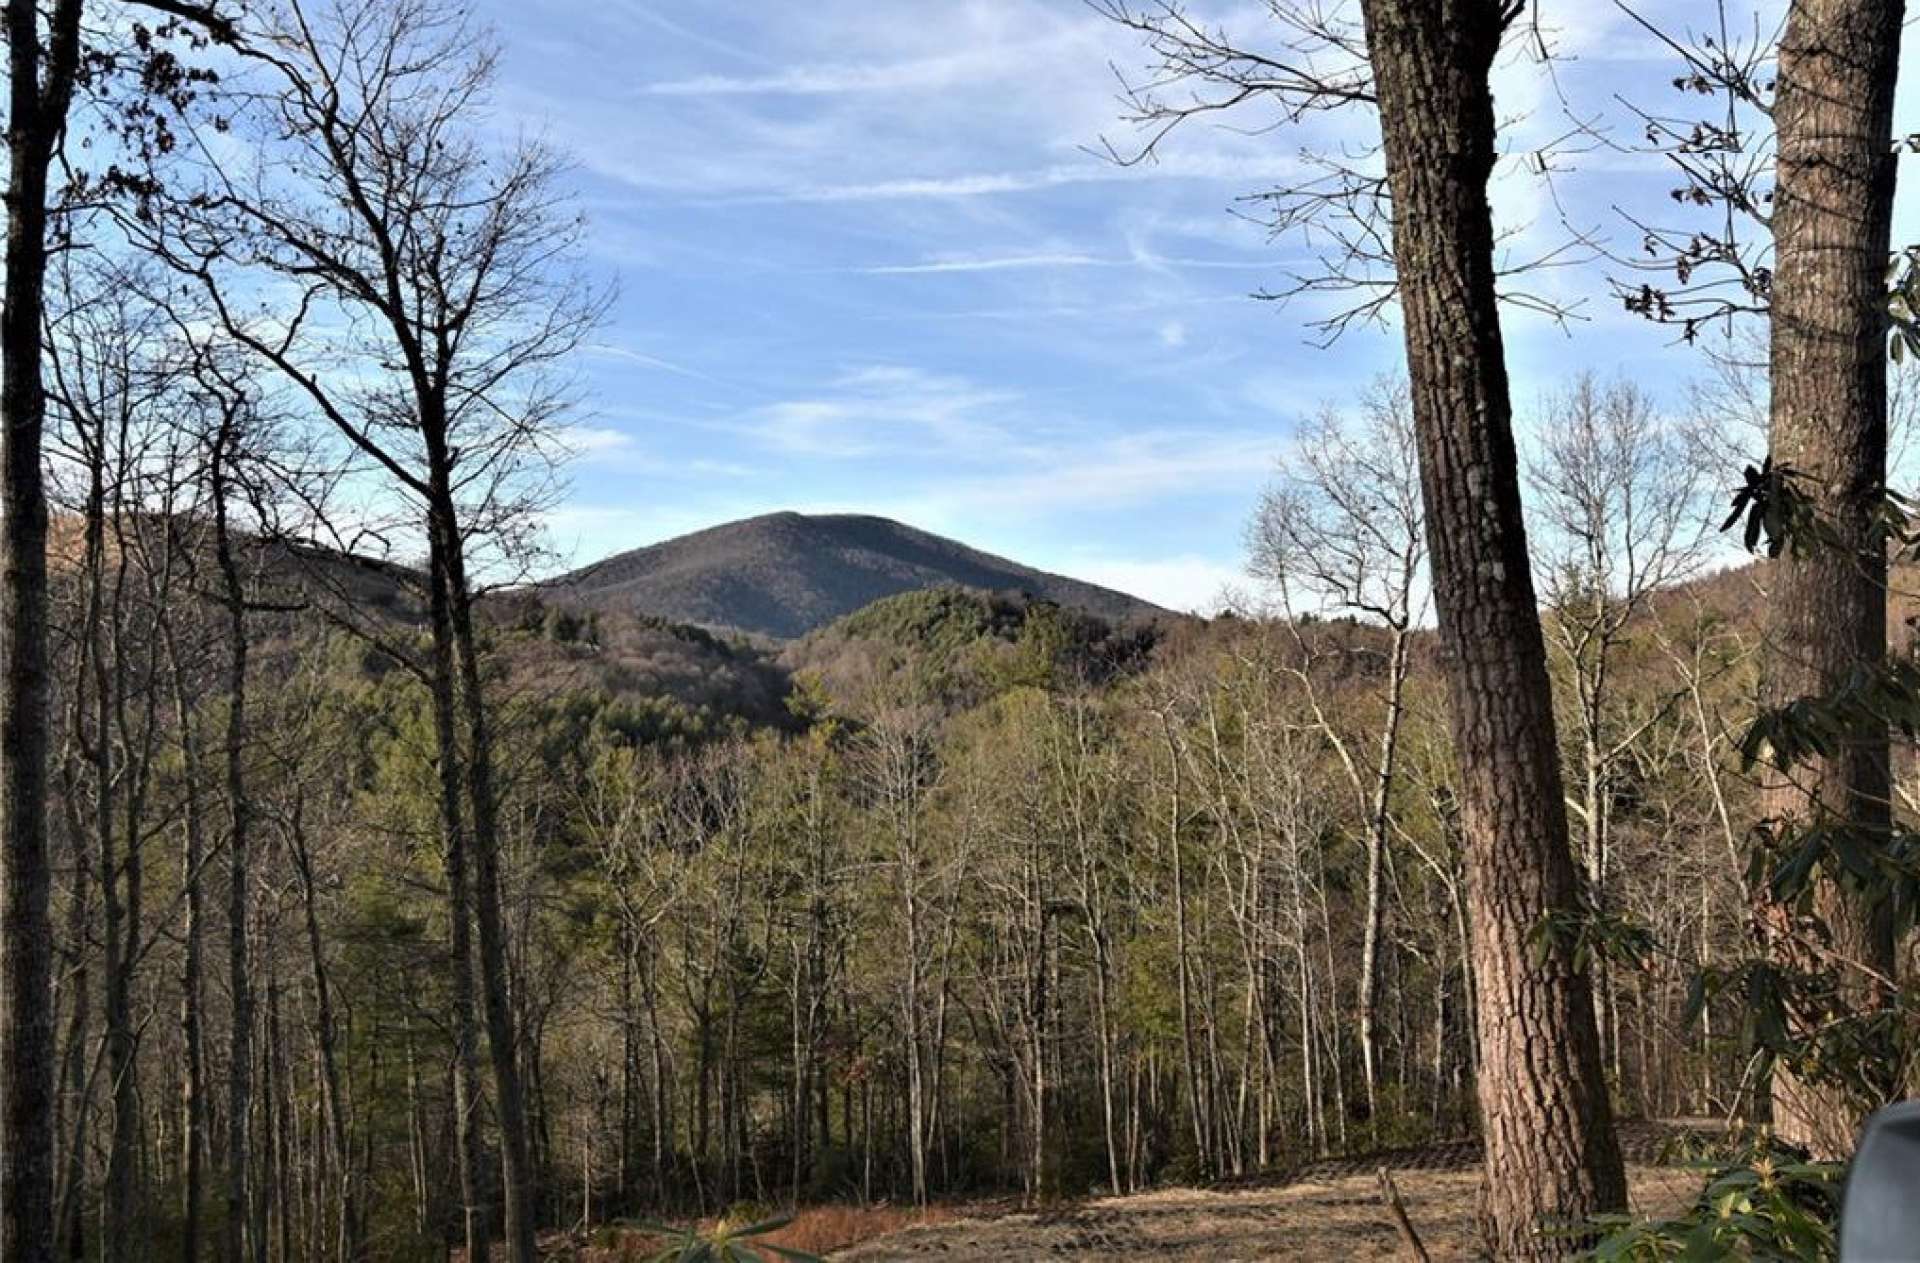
823,80
1198,167
1004,263
1022,262
884,410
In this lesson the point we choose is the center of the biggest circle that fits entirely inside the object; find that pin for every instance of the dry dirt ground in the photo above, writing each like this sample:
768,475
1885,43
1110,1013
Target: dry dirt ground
1334,1216
1328,1210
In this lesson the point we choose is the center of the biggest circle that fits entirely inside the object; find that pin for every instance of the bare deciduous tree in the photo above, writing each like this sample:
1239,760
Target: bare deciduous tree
433,303
45,53
1342,529
41,69
1618,509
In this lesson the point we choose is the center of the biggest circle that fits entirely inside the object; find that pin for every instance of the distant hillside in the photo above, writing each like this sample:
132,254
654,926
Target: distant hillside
956,646
787,574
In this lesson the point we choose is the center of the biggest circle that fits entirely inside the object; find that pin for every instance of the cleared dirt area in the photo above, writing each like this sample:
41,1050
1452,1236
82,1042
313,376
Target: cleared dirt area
1329,1218
1331,1209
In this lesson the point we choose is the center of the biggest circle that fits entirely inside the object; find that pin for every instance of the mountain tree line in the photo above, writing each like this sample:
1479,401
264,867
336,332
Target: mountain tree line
1009,898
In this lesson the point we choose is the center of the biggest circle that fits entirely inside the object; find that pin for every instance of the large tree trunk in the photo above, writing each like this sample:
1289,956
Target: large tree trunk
36,116
475,1226
1551,1153
503,1046
1827,616
482,799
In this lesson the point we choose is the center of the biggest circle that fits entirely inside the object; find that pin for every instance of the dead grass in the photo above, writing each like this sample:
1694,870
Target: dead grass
815,1230
1336,1215
819,1229
1315,1219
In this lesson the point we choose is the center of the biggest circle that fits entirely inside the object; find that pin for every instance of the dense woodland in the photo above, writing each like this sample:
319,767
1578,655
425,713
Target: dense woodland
997,896
366,899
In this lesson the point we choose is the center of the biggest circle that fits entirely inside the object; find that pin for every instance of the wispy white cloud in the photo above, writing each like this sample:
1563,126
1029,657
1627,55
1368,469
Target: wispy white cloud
1197,166
826,80
971,184
1078,311
884,409
603,449
1123,470
968,47
960,448
1002,263
590,440
627,355
636,14
1067,259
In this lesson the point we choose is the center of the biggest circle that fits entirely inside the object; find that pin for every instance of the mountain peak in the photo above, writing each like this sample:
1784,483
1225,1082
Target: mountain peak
785,574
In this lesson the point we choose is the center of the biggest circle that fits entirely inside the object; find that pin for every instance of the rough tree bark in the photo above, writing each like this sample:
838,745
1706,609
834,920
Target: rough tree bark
1551,1153
1827,613
40,87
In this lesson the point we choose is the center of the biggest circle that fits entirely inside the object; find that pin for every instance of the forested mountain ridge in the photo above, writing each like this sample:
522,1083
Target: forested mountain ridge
787,574
645,679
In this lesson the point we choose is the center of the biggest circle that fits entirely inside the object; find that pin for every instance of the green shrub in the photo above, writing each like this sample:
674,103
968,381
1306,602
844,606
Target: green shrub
1769,1202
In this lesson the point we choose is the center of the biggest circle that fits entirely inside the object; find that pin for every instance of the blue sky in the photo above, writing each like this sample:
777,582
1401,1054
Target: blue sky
866,263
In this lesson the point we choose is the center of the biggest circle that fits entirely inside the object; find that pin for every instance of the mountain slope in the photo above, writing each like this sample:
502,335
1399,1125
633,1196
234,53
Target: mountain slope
786,574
